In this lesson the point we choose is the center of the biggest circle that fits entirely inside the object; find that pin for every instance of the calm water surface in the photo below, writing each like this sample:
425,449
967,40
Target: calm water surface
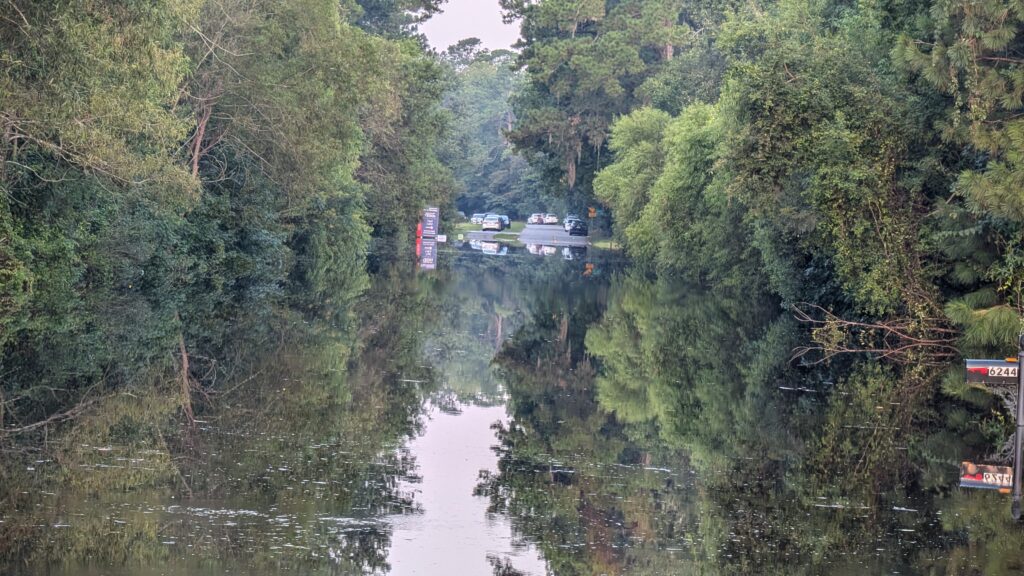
528,410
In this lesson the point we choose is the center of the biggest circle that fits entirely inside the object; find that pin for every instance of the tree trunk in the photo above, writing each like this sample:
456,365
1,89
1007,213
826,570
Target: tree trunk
197,145
184,378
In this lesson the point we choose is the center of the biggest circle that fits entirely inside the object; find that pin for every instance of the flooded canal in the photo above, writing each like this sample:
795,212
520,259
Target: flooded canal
520,410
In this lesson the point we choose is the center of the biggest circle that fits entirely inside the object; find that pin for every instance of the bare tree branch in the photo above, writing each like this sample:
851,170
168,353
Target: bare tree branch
920,341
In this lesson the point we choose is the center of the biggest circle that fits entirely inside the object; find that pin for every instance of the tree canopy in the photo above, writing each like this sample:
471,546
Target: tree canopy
165,164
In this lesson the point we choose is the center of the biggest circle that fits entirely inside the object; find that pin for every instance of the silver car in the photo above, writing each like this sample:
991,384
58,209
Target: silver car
492,222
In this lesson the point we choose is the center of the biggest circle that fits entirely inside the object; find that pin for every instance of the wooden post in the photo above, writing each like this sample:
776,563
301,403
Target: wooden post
1015,506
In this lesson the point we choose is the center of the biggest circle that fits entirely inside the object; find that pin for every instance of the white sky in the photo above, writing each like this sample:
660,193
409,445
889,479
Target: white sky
470,19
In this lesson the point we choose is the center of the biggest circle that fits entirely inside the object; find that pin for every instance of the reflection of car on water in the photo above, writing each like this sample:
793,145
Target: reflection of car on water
541,250
548,250
574,252
493,248
475,244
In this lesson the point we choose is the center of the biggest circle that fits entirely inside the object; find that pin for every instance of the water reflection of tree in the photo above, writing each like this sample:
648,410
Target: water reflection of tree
296,449
794,464
485,302
479,307
696,363
568,476
793,468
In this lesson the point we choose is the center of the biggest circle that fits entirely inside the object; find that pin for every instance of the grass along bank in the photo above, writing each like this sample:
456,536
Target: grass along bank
606,244
464,227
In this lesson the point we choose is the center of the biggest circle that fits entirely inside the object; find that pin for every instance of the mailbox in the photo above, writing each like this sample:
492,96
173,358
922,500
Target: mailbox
986,477
998,372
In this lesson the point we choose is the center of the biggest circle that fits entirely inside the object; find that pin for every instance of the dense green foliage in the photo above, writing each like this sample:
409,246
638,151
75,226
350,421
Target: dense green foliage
588,62
858,163
860,157
166,165
188,192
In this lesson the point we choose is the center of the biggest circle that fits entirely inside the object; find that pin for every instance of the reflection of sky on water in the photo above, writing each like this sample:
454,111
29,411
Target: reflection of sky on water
454,534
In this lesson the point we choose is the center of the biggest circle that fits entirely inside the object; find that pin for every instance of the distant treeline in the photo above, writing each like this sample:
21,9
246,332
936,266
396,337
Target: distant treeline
866,158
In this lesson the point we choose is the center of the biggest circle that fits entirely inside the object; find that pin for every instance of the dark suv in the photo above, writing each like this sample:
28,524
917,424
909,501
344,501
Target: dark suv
578,228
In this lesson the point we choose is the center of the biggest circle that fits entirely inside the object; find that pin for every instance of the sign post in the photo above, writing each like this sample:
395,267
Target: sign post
431,222
427,237
428,257
1015,506
1006,373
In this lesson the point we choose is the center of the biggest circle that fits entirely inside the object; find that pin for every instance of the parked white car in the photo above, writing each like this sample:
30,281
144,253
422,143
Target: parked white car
551,219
